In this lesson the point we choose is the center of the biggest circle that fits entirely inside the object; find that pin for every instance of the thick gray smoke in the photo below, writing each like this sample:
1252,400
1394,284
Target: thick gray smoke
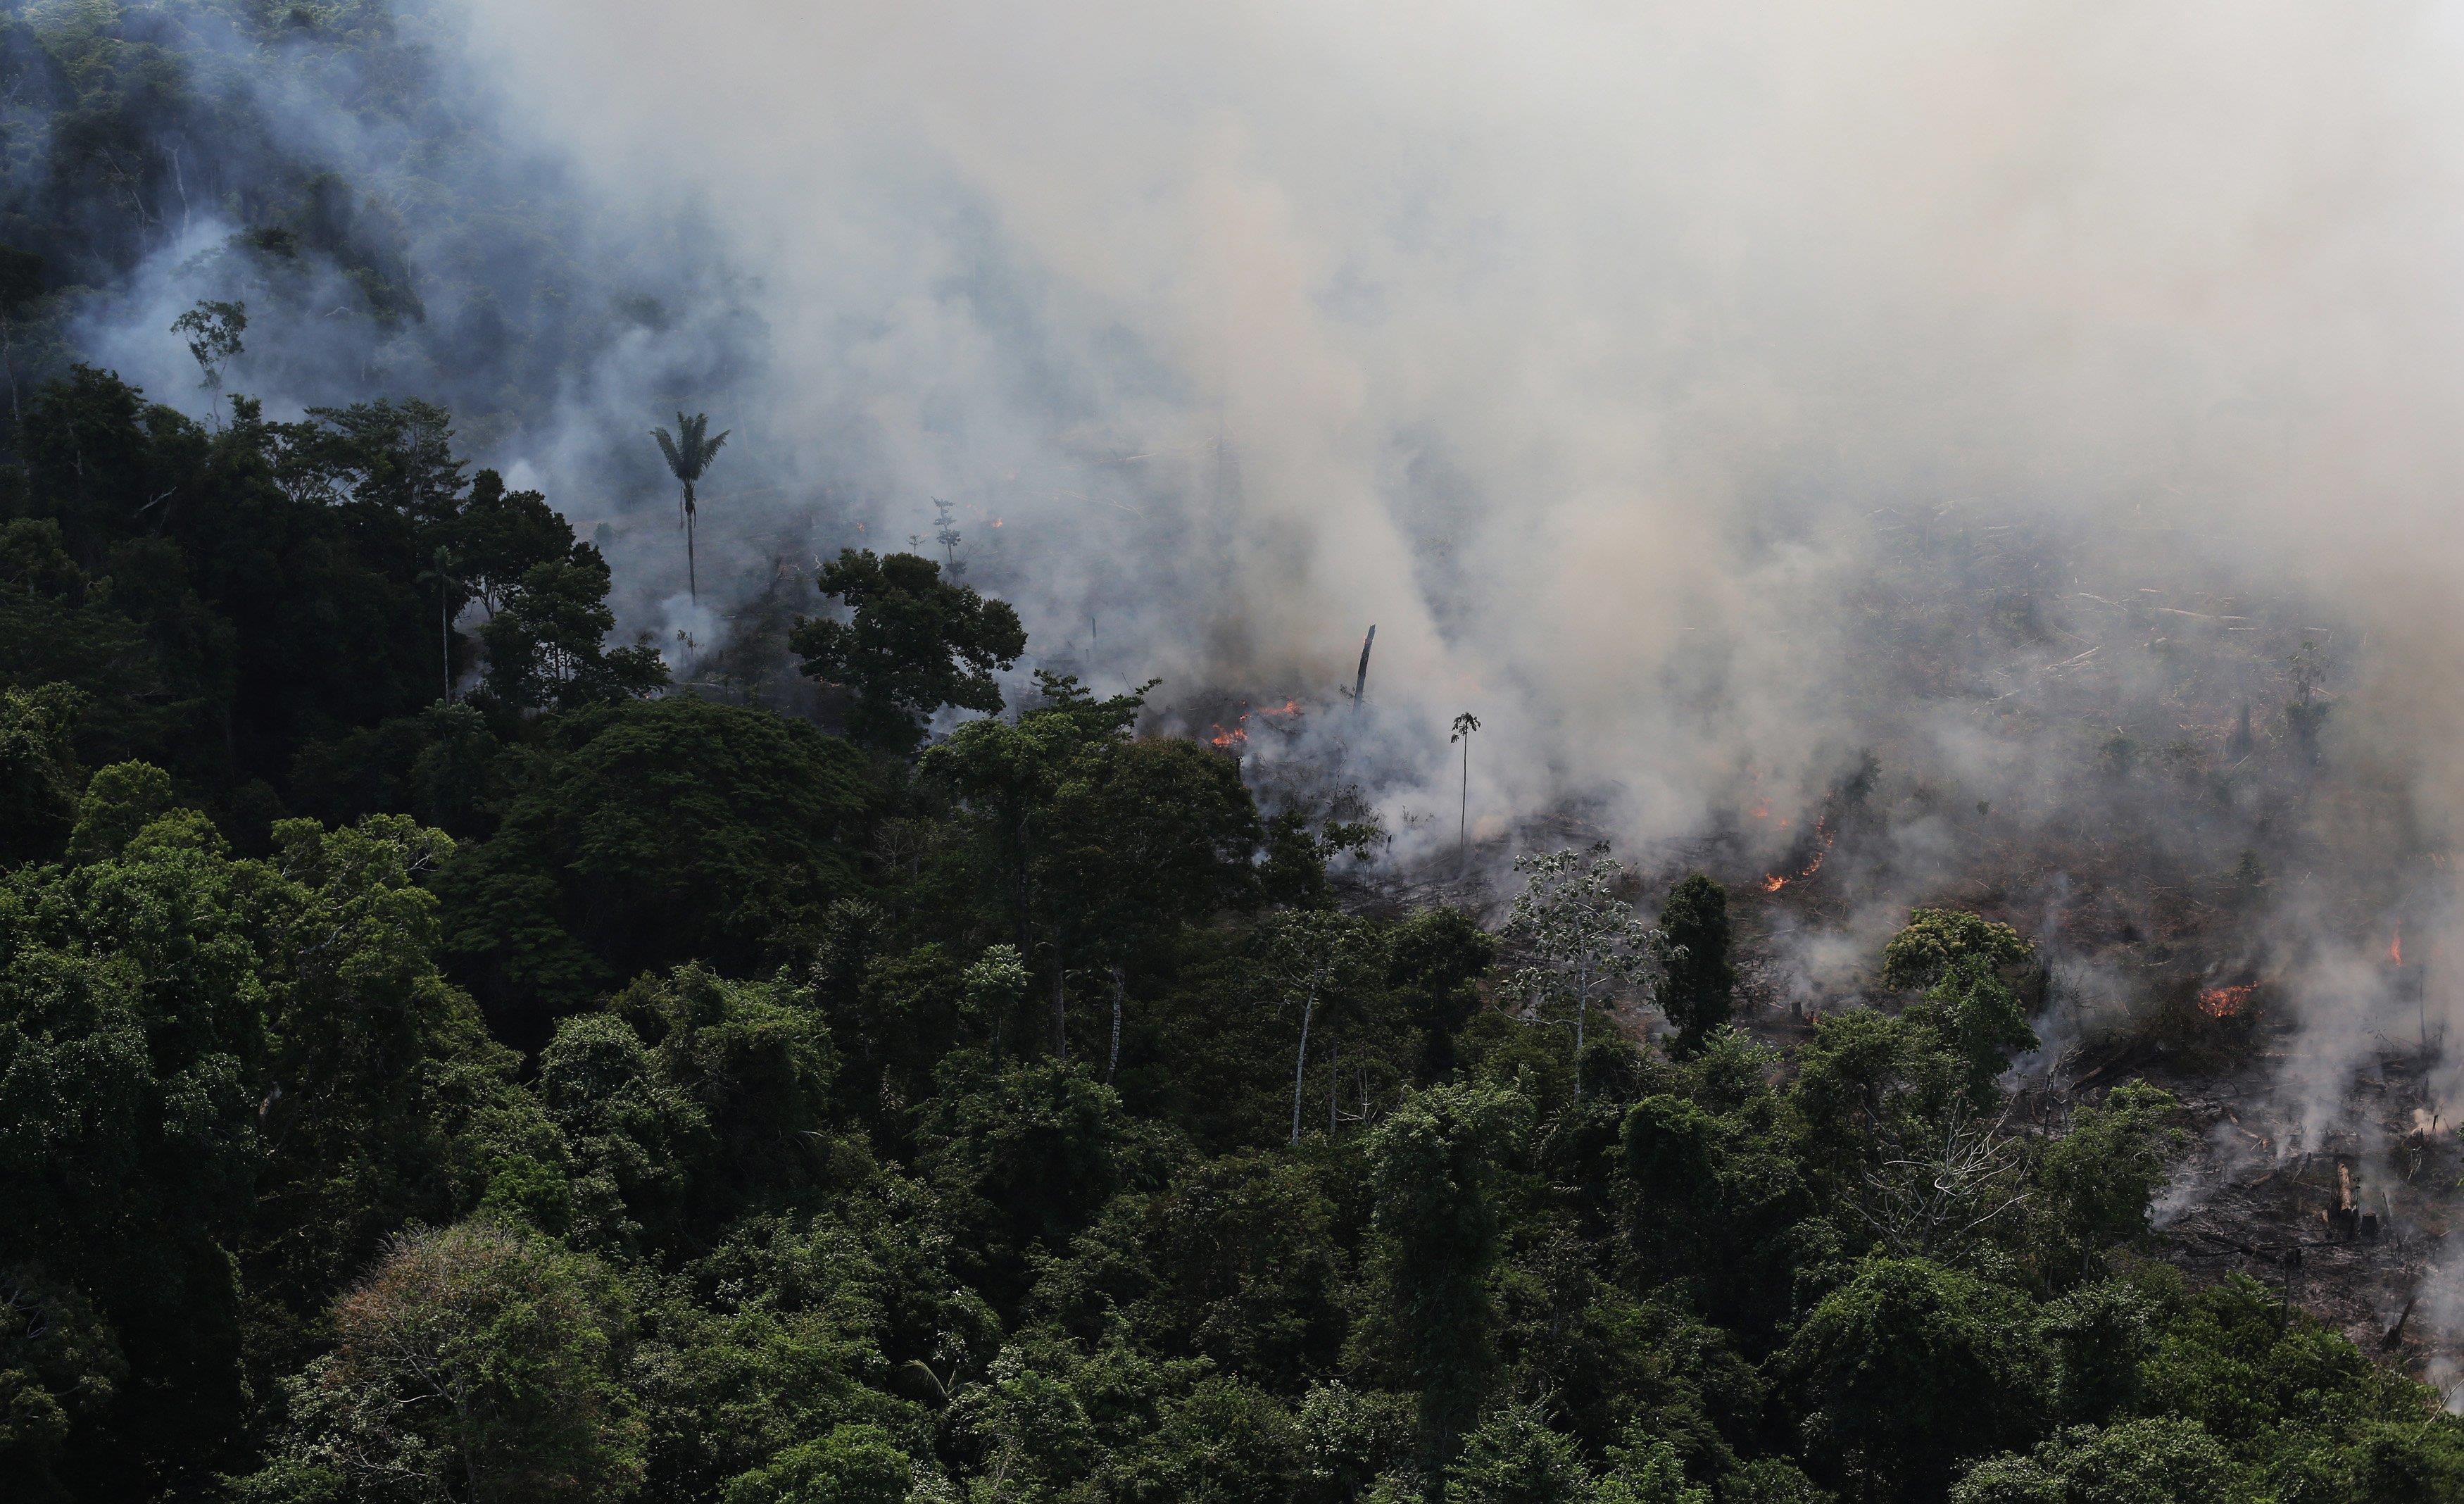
1571,345
1702,396
1705,396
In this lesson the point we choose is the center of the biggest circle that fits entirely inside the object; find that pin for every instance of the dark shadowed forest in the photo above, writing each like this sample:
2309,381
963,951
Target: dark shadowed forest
448,1054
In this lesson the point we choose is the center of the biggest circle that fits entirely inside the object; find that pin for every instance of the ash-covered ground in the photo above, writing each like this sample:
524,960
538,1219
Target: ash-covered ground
2245,1201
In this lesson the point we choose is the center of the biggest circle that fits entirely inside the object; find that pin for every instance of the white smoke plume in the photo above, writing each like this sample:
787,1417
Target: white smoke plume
1568,343
1704,396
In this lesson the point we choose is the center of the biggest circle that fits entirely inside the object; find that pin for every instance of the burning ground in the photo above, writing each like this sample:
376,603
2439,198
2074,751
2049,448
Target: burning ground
2183,794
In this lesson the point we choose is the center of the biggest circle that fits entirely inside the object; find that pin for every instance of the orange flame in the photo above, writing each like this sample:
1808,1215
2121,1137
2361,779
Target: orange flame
1774,882
2395,946
1238,733
2226,1001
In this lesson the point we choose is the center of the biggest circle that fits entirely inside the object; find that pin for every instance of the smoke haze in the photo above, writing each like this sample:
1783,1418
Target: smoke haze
2049,402
1574,345
1706,398
1997,454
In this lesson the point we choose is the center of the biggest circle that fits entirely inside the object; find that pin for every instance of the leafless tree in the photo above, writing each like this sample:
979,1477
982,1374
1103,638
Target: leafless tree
1924,1197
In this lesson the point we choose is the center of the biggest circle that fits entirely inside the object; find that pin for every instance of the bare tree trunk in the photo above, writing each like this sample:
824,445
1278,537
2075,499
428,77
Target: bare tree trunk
692,581
1333,1078
1582,1010
1114,1064
1059,1002
1300,1070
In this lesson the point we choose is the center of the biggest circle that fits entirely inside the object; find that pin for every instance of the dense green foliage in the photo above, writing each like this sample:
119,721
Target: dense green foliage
606,1097
438,1063
914,643
601,1097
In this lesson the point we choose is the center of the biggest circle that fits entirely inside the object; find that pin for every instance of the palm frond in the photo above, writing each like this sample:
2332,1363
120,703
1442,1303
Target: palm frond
688,452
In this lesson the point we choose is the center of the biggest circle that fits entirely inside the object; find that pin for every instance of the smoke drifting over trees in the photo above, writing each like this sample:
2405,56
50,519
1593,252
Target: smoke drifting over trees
1589,355
1593,357
1953,458
1706,397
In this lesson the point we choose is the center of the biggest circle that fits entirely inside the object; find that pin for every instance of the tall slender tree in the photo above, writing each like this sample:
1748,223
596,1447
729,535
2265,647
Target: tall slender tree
945,532
21,294
1464,725
441,571
1312,959
688,454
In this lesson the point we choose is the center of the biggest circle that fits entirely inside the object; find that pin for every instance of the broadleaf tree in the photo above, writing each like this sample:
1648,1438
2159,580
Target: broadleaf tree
914,643
1580,939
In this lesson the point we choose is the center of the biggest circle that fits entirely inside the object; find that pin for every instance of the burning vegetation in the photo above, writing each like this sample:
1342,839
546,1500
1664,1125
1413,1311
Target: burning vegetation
1823,836
1284,717
2173,792
1927,1015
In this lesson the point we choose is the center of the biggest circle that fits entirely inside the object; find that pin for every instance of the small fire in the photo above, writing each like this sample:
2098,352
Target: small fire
1774,882
1238,733
2395,946
2226,1001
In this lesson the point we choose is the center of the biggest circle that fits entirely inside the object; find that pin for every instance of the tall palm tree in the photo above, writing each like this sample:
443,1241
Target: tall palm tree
1464,725
688,455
